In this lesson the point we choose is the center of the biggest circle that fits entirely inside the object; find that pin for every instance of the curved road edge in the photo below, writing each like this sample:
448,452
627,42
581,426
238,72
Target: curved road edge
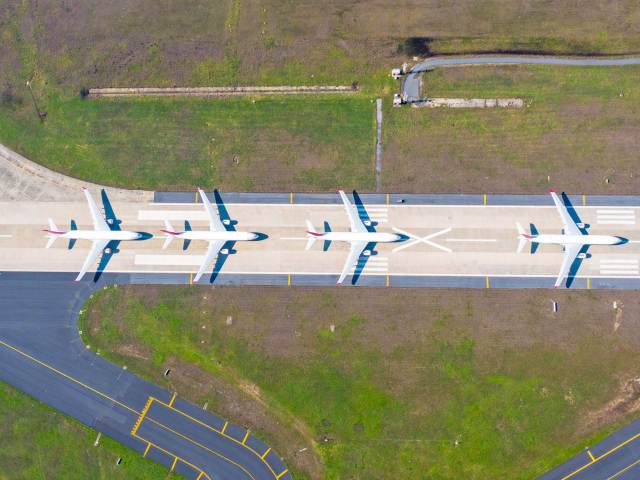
43,355
411,82
23,179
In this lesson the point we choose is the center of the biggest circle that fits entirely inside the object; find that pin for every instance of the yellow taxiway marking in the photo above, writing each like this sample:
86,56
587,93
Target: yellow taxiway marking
143,414
202,473
282,473
291,198
197,444
220,432
584,200
484,199
146,450
200,476
173,465
196,196
597,459
173,399
246,435
191,279
487,281
591,455
126,407
387,280
588,283
387,199
629,467
288,279
62,374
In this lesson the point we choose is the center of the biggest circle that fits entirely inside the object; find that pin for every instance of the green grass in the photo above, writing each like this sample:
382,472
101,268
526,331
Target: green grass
580,126
451,402
282,144
38,442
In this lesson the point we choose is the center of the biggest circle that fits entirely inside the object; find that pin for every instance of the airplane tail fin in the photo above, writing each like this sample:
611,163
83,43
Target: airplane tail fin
169,234
522,241
312,234
52,233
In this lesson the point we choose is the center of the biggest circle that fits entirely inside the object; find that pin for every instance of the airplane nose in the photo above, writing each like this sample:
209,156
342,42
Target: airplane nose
257,236
622,240
144,236
401,237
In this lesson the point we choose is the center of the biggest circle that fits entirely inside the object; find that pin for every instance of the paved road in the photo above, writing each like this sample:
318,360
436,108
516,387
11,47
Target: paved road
42,354
616,457
411,83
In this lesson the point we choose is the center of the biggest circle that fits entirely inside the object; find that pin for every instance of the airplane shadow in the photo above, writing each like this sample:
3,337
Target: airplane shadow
226,220
575,266
114,224
362,261
220,260
230,226
362,212
572,212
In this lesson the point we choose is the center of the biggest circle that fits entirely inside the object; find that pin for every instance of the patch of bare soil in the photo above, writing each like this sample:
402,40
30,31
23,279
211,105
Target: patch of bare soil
626,402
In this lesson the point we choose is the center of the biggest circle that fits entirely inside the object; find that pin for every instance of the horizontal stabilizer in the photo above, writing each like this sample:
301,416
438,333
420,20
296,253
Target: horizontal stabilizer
312,234
168,234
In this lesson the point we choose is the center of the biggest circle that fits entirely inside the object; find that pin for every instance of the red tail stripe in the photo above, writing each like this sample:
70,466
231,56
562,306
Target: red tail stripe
170,232
53,232
315,234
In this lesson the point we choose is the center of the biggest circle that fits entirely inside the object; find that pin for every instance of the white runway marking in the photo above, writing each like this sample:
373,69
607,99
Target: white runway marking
612,211
619,266
293,238
6,236
484,240
417,240
178,260
614,216
172,215
616,222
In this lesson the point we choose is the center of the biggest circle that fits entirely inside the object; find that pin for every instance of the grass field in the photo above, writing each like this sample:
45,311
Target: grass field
38,442
576,117
581,128
281,144
412,383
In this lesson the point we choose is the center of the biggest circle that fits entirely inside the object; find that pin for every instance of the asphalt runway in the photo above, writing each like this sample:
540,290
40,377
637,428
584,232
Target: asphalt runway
468,242
42,354
616,457
473,242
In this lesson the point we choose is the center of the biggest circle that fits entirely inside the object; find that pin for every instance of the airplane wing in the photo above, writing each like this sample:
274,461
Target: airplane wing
215,225
354,255
98,219
97,247
212,251
570,226
570,254
352,213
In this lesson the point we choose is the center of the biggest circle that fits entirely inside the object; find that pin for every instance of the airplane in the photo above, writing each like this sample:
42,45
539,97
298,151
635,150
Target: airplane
106,234
221,235
574,239
362,238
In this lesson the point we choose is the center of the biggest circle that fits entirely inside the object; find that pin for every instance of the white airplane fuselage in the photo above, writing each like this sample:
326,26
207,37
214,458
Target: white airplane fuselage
576,239
97,235
369,237
229,236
